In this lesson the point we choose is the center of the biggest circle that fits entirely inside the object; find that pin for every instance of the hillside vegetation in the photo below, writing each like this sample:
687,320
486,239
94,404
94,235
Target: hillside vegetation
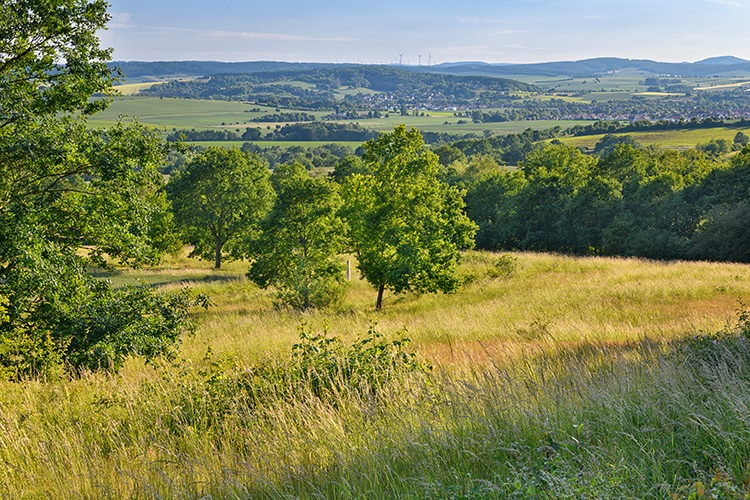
551,376
347,342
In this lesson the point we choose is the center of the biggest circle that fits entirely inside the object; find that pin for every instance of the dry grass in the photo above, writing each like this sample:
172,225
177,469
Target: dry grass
521,361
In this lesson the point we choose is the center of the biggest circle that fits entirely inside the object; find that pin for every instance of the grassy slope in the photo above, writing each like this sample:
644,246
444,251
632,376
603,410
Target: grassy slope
551,382
665,139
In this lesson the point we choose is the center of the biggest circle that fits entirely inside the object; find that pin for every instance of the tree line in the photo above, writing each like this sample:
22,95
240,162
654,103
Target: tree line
632,201
404,224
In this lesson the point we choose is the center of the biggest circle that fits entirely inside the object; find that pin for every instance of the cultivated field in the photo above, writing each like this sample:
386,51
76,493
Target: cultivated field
552,376
681,139
218,115
169,114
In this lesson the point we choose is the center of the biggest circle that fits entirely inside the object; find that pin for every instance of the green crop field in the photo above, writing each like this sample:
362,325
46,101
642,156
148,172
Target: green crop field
169,114
217,115
566,377
681,139
180,113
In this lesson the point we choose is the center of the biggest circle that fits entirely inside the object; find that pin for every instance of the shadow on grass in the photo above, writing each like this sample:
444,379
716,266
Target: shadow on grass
120,279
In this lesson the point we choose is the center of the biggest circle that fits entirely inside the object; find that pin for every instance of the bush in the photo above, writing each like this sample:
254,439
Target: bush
96,330
320,366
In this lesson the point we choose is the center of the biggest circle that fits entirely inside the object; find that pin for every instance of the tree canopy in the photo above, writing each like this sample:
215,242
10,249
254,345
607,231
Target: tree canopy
301,239
68,195
407,226
218,200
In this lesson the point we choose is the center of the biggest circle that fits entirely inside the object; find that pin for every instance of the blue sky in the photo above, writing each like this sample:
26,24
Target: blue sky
510,31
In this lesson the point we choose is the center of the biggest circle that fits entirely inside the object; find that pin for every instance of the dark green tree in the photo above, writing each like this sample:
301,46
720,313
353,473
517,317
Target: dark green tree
218,200
69,195
741,140
554,175
347,166
607,144
301,239
406,225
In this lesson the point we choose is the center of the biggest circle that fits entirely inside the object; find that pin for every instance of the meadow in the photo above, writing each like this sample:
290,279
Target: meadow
551,377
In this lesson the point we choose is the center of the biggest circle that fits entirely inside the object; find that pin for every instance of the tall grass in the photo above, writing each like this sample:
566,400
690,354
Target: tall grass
562,378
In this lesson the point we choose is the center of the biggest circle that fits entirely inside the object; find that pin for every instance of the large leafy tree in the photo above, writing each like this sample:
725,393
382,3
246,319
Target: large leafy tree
218,200
301,239
407,226
67,196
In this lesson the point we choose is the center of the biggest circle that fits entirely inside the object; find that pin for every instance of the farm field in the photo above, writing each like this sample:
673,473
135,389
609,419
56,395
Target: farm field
178,113
681,139
218,115
561,377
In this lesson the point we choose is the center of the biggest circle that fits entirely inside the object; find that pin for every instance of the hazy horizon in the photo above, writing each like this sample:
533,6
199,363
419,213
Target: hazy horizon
387,32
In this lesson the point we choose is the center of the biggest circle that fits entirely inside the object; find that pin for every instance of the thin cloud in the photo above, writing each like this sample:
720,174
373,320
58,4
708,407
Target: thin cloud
480,20
251,35
518,46
120,20
728,3
243,35
507,32
464,50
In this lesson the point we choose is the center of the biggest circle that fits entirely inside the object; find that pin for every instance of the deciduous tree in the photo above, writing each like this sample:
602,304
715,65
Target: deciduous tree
218,200
407,226
67,196
301,238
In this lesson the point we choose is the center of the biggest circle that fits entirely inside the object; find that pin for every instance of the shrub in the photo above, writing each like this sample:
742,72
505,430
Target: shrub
320,366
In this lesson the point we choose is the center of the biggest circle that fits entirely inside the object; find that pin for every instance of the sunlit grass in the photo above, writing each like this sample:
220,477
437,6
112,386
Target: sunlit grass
556,379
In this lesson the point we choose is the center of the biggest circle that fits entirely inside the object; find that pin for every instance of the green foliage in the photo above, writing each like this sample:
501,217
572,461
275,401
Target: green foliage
301,237
68,196
320,367
715,147
741,140
724,235
347,166
35,37
406,225
607,144
218,200
660,204
329,366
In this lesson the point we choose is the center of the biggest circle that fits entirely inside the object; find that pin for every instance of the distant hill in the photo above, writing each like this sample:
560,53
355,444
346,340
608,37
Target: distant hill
724,66
723,60
379,87
719,66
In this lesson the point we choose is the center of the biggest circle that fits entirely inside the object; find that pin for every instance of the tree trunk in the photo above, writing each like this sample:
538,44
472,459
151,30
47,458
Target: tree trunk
379,304
217,259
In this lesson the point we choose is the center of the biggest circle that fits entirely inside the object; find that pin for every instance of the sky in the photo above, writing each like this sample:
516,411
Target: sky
426,32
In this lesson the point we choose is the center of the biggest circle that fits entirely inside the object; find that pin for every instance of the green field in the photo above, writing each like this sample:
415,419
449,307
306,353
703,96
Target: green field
210,114
560,379
169,114
180,113
681,139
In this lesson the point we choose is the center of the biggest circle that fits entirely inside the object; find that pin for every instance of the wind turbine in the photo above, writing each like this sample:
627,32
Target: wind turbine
401,59
420,59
